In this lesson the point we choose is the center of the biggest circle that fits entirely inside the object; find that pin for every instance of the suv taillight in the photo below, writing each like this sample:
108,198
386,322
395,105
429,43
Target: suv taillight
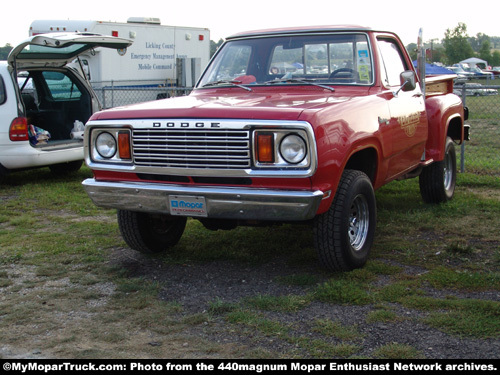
19,129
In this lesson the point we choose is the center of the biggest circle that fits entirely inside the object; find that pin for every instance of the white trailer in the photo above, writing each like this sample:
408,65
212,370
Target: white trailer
151,60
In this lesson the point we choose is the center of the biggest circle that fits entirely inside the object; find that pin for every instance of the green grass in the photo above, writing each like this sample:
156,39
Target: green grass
482,152
278,303
382,315
59,274
457,316
397,351
337,329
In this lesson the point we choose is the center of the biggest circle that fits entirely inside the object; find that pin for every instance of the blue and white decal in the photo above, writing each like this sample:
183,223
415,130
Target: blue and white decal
187,206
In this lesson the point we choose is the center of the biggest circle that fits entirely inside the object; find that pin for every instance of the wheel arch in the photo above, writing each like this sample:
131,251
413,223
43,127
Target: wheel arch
364,160
455,129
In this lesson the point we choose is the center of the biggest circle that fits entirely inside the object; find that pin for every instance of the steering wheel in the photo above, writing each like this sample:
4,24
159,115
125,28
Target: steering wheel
343,70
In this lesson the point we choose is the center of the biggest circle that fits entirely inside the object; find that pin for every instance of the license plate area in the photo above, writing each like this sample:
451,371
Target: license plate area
187,205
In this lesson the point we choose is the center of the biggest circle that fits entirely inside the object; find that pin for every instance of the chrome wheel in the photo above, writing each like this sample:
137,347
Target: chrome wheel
448,172
359,222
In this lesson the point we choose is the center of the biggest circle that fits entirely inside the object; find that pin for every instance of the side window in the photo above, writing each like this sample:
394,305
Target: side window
393,63
352,56
61,86
3,94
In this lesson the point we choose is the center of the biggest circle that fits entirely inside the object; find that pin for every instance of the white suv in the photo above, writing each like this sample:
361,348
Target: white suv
44,103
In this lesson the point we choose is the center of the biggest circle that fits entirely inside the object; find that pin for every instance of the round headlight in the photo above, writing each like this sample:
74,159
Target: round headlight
105,145
293,149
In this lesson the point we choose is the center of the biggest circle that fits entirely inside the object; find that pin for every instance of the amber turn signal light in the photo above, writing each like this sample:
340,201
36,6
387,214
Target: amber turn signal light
124,145
265,148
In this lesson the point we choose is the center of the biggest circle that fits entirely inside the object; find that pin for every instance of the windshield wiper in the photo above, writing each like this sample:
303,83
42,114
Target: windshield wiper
297,80
227,82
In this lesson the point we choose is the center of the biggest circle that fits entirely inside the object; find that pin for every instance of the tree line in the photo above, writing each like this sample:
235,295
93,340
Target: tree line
4,51
457,45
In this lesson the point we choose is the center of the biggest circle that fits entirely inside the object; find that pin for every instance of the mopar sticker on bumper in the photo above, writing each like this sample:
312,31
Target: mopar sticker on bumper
182,205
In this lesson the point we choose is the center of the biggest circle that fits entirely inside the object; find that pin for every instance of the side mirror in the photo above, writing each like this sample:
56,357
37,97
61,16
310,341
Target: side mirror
408,82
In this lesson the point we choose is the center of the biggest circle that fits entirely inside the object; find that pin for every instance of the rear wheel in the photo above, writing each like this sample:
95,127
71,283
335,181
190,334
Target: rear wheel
437,181
150,233
65,168
344,234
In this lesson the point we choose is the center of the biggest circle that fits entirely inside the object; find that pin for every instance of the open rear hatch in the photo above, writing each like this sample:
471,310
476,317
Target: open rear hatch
57,101
57,49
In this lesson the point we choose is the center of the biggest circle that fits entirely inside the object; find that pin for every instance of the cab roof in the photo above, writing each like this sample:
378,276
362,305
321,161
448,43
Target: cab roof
300,30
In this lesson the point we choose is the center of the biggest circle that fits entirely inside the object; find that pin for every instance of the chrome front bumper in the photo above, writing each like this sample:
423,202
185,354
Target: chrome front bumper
221,202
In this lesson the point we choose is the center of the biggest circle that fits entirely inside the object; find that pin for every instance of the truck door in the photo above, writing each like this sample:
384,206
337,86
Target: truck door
408,123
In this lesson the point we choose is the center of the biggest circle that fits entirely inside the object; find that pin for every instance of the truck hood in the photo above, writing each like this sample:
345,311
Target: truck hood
262,104
57,49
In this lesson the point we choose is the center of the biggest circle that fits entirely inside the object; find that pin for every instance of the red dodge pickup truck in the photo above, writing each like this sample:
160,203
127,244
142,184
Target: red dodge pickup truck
285,125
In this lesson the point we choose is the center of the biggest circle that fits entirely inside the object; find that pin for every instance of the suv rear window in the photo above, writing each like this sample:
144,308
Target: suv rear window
61,87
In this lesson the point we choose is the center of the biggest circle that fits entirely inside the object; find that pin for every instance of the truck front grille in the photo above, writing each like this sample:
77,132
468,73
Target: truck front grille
176,148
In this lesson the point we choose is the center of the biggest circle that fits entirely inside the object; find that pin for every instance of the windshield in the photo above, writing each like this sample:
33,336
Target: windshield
298,59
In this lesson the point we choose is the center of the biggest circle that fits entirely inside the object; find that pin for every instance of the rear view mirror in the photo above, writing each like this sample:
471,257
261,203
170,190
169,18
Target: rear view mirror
408,82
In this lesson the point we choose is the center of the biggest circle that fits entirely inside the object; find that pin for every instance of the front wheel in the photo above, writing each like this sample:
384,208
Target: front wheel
150,233
344,234
437,181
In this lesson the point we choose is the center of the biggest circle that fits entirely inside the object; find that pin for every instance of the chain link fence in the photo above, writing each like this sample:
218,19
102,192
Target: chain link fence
115,94
481,155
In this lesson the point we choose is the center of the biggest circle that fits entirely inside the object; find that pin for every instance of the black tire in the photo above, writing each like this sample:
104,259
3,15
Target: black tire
343,235
150,233
66,168
437,181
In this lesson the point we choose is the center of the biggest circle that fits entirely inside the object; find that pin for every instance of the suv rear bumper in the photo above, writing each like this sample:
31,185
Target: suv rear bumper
221,202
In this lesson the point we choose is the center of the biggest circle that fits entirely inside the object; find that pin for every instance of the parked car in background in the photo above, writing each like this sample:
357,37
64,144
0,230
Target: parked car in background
472,71
460,72
44,103
478,73
462,75
482,73
474,89
496,73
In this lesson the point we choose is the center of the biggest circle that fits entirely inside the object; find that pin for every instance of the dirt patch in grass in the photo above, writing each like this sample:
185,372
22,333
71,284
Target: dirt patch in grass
196,286
175,317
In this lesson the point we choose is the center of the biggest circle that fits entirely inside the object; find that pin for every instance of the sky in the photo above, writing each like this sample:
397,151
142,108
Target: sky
227,17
